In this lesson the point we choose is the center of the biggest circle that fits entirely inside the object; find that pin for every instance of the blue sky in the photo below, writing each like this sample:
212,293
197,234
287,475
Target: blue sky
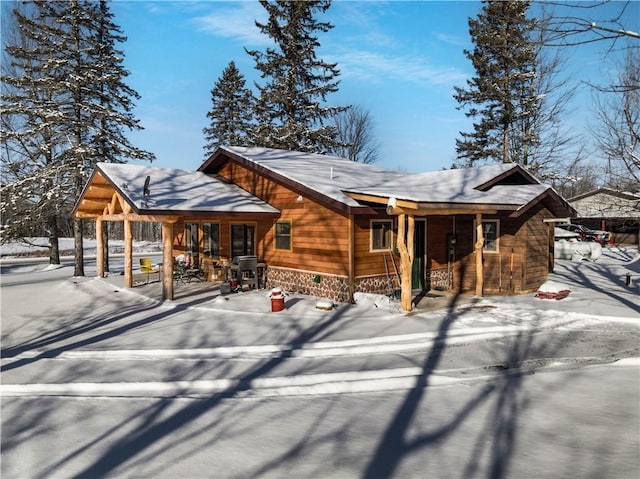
399,60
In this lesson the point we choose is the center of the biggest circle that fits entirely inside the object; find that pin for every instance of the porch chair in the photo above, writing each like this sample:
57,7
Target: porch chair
248,271
178,268
147,267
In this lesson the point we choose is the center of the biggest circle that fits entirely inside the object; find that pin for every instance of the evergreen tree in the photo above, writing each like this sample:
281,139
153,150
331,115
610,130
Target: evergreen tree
231,111
502,95
290,111
36,183
67,104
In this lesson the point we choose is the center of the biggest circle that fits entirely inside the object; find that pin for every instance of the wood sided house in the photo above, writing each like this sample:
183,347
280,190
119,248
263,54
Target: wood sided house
331,227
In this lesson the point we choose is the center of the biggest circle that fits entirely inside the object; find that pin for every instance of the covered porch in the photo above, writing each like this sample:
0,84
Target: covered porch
128,193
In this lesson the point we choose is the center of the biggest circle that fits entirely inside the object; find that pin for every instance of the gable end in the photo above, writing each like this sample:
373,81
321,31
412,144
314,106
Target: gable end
515,176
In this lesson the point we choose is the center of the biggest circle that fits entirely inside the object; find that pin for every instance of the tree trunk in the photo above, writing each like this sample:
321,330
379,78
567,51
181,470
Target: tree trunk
54,249
78,248
505,144
54,246
105,245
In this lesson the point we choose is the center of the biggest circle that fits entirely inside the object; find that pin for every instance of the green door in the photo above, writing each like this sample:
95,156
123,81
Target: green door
419,251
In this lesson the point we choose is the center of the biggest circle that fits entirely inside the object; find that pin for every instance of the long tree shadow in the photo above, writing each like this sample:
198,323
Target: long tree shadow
608,278
134,444
393,445
86,328
497,440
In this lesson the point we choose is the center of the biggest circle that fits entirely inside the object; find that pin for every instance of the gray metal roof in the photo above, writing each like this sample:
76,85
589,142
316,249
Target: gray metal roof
334,177
175,190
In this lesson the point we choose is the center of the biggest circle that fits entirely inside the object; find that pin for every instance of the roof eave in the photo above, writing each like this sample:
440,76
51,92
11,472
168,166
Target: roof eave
564,209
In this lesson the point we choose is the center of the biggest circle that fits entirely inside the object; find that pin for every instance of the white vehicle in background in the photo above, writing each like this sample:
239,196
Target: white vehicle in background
568,245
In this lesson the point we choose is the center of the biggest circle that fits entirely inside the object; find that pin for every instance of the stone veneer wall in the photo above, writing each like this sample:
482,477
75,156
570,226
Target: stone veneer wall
336,288
377,284
439,279
331,287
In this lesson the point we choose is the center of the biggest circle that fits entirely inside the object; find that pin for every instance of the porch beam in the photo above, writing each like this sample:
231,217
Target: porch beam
103,191
437,212
93,204
127,216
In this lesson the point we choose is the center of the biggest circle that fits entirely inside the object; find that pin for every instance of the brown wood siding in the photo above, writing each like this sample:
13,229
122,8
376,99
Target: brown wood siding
368,263
522,263
438,227
538,248
319,235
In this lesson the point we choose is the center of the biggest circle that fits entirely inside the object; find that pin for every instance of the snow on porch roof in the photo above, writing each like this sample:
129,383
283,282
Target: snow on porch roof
176,191
336,177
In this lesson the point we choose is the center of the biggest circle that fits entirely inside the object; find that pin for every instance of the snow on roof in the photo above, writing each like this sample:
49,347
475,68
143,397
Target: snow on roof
334,177
607,203
180,190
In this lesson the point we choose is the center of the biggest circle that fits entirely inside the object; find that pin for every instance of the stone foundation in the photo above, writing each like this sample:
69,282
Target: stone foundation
376,284
336,287
439,279
331,287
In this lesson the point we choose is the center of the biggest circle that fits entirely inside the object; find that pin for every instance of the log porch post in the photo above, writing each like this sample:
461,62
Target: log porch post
99,249
128,255
479,246
406,258
167,261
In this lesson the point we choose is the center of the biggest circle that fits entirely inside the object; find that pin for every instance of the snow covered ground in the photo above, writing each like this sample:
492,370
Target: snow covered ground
102,381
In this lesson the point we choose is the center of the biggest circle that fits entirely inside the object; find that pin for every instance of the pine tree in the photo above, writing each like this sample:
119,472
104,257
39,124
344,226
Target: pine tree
231,111
68,106
36,185
502,94
290,111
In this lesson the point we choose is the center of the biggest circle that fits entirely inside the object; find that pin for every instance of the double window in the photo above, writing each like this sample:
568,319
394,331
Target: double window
211,240
243,239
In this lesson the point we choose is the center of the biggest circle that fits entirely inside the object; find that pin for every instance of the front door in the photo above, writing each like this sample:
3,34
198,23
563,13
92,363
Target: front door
419,253
243,239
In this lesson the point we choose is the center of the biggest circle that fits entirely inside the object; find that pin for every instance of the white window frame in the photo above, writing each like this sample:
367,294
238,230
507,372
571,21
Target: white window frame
485,249
371,232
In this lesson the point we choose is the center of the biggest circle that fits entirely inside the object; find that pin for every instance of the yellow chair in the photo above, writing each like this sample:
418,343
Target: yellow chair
147,267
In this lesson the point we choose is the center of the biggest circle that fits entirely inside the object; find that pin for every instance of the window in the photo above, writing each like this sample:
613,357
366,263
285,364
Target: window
283,235
381,235
242,239
491,232
191,238
211,240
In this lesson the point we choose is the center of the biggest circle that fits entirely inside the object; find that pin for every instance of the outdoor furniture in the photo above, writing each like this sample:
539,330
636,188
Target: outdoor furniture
192,271
247,271
147,267
178,268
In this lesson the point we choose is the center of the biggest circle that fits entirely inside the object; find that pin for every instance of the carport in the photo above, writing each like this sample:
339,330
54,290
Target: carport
127,193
